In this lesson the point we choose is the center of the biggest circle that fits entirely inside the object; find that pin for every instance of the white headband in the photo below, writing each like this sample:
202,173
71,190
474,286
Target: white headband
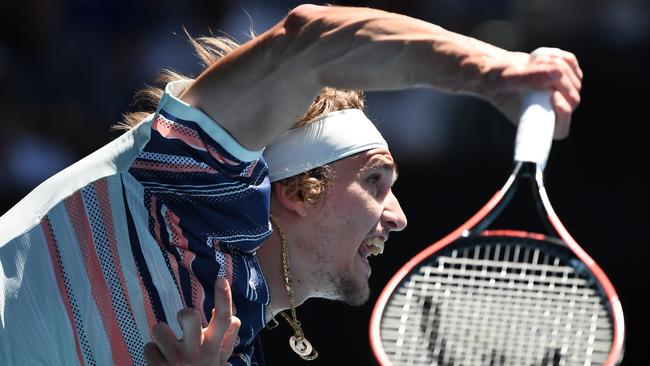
334,136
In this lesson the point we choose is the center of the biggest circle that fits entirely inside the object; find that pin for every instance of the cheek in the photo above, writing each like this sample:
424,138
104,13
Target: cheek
366,211
357,214
338,229
346,218
352,212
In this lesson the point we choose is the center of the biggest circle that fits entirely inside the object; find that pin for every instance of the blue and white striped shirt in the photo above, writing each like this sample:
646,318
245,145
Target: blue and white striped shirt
126,237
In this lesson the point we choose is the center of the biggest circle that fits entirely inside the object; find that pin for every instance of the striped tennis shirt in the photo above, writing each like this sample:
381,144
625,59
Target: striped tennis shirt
98,254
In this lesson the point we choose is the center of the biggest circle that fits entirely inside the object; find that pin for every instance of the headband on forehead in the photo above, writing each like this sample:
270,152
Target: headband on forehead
331,137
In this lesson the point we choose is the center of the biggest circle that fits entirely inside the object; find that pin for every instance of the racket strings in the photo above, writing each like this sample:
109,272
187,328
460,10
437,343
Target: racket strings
505,303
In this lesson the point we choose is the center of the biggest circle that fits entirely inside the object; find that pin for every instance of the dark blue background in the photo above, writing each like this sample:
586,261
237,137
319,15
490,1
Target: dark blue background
69,68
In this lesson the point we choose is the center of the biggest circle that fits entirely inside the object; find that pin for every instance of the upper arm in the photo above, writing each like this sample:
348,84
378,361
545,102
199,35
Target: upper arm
260,90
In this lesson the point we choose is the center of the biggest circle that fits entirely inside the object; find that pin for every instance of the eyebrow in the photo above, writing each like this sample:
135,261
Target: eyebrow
382,164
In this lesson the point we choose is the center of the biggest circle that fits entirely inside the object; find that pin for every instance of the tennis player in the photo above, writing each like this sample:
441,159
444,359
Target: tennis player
180,240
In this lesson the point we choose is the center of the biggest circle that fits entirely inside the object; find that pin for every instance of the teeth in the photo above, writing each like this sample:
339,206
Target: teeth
375,245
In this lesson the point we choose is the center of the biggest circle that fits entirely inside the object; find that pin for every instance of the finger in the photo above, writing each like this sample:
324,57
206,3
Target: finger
538,76
153,356
229,340
563,112
572,61
190,322
564,84
568,83
221,315
567,61
569,72
570,93
166,341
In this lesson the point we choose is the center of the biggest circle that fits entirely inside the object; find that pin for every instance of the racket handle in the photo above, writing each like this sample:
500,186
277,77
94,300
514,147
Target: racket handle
536,125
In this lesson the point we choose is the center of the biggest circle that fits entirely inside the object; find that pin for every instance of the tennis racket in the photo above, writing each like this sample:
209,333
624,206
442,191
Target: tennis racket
502,297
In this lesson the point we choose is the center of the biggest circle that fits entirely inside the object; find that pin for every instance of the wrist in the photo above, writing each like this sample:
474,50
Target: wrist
481,68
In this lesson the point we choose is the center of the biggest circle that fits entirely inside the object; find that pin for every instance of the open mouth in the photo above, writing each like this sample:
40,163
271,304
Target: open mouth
372,247
369,248
375,246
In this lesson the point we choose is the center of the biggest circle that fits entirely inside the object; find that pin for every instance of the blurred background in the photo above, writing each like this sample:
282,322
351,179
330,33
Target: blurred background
69,68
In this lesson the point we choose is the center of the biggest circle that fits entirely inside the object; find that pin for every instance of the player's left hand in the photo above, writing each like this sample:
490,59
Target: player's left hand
212,345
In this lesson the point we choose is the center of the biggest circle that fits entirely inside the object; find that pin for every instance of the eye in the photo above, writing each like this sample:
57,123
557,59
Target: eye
374,178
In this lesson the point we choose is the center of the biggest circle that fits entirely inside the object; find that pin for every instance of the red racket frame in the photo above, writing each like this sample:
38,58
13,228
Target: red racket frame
498,201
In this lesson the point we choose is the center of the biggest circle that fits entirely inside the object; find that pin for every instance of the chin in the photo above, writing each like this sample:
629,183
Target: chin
353,292
359,300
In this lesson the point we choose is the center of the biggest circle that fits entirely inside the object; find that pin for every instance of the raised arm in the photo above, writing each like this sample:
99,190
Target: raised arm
262,88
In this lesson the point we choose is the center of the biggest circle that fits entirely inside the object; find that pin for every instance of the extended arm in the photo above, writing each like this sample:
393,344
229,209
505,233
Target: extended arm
262,88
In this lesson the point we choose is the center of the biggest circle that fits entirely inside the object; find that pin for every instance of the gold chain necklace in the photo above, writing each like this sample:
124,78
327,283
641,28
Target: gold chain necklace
299,344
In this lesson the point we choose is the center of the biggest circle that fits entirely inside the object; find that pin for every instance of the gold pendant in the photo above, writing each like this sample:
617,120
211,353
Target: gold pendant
303,348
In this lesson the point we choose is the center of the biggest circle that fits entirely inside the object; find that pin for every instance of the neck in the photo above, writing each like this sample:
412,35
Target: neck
269,256
298,342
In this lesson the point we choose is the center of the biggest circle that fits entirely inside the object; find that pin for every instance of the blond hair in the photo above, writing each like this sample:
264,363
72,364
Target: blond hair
314,183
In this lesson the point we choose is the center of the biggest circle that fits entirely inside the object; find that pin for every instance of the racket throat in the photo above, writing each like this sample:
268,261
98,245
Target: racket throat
523,172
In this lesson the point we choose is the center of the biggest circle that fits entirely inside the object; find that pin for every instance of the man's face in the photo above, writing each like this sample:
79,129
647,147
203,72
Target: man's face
358,211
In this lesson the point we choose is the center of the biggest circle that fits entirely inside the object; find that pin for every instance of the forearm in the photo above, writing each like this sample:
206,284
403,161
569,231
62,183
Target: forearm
359,48
269,82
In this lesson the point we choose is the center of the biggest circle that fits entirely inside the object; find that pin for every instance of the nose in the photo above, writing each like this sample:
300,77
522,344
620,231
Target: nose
393,217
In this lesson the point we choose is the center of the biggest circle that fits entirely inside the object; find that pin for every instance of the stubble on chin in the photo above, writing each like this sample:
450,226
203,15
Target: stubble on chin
335,283
352,292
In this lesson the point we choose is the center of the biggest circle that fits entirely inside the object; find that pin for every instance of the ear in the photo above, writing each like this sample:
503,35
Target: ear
290,197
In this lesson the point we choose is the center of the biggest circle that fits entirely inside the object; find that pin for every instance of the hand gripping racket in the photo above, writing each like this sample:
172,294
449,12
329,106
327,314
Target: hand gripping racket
502,297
